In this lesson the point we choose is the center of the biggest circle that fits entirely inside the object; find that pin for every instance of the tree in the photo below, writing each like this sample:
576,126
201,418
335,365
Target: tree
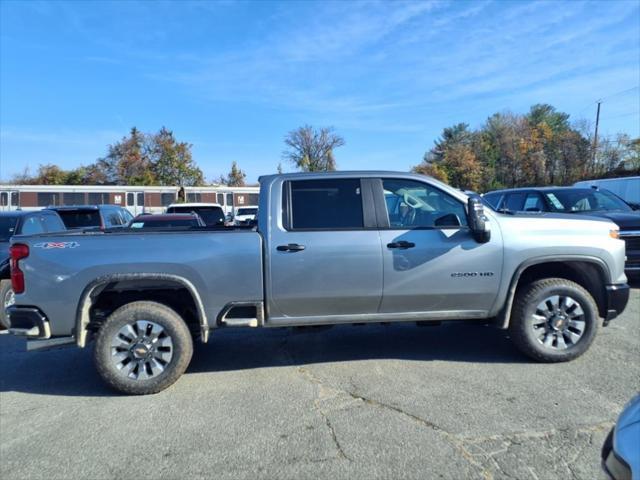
463,168
458,134
312,150
279,168
171,160
50,174
235,178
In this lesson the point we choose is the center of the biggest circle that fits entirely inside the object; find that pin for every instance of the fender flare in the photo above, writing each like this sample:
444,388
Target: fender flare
503,317
97,285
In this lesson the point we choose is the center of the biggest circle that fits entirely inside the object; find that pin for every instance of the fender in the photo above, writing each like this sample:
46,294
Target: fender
96,286
503,317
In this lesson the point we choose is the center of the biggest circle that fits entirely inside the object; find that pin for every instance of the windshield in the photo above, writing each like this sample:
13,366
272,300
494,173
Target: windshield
80,218
577,200
7,228
210,215
247,211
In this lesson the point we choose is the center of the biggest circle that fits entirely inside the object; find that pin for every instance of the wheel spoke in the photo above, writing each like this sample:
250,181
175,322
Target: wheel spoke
576,312
539,319
577,325
548,339
560,343
571,336
133,354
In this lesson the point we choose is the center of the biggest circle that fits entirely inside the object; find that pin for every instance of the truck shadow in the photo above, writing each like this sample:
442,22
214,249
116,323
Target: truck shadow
70,372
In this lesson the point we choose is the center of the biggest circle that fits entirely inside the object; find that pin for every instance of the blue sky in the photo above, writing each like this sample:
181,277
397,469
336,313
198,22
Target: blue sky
233,78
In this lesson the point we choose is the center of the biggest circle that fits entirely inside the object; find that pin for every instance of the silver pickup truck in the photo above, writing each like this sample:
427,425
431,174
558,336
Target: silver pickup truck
329,248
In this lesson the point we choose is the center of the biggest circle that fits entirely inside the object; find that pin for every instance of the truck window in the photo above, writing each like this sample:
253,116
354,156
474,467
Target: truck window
412,204
32,225
514,202
324,204
53,223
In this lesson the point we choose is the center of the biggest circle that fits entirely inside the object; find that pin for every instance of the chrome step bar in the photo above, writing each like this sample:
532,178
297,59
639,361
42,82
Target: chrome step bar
253,322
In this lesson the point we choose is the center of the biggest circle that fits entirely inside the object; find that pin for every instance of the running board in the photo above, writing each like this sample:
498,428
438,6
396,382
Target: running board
50,343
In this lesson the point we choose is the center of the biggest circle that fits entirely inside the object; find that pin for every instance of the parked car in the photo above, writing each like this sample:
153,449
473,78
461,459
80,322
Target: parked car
167,221
578,201
245,216
621,449
93,216
211,213
627,188
20,223
329,248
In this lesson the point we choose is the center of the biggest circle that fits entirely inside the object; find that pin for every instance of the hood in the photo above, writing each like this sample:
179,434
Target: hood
624,220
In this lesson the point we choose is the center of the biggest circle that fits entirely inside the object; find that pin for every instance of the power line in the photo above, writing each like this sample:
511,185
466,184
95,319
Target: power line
620,93
622,115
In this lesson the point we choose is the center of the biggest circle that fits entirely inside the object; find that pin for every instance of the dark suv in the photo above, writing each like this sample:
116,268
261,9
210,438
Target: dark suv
579,201
94,216
20,223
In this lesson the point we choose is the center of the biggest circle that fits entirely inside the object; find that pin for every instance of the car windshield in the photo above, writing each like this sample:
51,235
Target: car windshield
80,218
578,200
210,215
247,211
7,228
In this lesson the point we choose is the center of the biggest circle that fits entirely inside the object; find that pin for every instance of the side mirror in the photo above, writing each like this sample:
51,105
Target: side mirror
478,222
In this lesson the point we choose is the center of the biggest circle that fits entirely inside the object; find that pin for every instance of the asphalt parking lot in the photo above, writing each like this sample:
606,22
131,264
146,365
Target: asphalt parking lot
397,401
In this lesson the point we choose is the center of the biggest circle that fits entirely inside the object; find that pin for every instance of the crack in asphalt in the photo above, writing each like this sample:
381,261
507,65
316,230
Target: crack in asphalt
485,462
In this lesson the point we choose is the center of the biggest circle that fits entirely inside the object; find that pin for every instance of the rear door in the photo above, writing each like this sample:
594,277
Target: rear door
324,251
431,261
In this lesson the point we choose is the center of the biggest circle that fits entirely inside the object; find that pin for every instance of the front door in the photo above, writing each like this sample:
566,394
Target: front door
324,253
431,261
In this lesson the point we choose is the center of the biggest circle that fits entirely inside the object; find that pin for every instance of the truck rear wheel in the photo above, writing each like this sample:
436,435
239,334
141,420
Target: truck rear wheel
142,348
7,298
553,320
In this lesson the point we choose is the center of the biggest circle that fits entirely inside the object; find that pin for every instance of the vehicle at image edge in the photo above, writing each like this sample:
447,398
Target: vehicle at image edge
245,215
627,188
19,222
166,221
93,216
329,248
620,451
211,213
577,201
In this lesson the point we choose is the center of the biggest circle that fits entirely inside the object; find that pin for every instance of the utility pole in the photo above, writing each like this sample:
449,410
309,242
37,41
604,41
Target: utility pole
595,137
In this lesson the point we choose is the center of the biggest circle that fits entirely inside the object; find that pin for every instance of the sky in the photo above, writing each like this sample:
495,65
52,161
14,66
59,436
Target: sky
233,77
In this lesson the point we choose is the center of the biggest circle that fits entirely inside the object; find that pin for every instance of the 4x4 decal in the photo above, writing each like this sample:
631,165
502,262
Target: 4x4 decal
50,245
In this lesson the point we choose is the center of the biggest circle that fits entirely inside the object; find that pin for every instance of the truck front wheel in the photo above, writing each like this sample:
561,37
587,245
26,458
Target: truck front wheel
142,348
553,320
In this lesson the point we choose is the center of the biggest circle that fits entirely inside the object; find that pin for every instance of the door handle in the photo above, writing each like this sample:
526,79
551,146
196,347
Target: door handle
291,247
401,244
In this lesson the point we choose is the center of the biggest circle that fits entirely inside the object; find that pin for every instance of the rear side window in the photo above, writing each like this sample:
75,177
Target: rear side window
80,218
324,204
7,228
31,225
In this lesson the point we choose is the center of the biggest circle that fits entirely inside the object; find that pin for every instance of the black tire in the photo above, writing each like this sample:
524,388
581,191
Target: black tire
5,288
174,328
525,304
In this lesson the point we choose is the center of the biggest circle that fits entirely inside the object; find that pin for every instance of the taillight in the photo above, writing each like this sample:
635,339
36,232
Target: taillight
17,252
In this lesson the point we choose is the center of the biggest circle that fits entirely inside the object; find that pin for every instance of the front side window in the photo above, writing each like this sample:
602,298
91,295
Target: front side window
412,204
325,204
514,202
576,200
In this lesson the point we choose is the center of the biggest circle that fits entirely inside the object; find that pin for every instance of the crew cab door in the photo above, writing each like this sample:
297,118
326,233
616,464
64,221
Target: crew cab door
431,261
324,256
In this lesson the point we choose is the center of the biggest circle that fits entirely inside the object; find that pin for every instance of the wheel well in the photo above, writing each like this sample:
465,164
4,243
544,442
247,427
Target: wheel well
115,294
589,275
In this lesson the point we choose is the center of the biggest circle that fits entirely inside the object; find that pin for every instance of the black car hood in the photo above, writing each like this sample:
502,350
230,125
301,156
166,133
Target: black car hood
624,220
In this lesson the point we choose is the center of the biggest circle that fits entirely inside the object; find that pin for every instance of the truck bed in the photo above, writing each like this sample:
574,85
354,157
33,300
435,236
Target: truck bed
223,265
